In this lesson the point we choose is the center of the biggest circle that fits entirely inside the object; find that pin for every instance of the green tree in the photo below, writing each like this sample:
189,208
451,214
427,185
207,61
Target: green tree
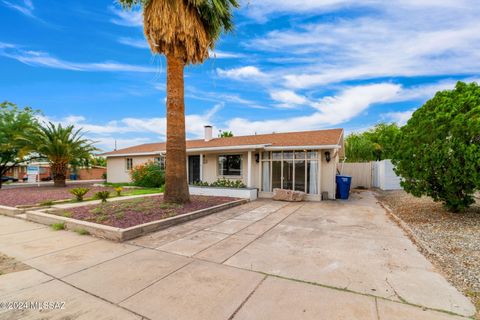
14,123
225,134
185,32
378,143
438,151
62,146
383,136
359,148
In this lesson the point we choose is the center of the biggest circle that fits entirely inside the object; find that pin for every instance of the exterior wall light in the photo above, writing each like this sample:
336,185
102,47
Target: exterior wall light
327,156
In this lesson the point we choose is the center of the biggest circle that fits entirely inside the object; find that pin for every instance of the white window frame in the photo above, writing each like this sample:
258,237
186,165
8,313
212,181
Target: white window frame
229,175
305,159
127,160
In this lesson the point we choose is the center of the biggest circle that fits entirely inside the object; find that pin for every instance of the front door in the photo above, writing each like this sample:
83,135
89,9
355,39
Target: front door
193,169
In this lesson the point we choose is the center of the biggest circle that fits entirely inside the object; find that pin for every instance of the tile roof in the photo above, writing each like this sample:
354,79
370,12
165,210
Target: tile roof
302,138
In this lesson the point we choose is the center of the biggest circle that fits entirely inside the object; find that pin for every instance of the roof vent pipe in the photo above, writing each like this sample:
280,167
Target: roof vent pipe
208,133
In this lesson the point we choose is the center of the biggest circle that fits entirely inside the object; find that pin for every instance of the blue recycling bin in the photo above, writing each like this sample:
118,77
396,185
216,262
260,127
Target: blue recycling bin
343,186
73,176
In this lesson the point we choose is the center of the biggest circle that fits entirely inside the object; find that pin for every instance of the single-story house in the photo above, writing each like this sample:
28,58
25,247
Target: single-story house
303,161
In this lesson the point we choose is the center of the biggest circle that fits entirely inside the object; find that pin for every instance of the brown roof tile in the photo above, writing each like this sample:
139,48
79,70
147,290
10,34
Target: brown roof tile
302,138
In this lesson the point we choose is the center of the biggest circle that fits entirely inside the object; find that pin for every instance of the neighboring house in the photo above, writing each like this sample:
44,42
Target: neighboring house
20,171
304,161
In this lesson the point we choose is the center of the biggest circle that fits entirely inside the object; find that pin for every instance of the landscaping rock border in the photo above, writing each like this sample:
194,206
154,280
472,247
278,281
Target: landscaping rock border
119,234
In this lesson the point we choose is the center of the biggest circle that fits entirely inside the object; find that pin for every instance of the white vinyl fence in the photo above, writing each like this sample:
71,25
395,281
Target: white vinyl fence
376,174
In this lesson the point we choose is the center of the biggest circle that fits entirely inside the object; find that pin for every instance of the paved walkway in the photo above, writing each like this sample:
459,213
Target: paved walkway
262,260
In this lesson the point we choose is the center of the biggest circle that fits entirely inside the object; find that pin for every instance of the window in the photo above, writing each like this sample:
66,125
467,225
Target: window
161,162
290,170
230,165
129,163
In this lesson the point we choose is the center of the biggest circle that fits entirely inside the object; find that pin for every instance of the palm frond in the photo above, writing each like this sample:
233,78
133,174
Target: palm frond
184,28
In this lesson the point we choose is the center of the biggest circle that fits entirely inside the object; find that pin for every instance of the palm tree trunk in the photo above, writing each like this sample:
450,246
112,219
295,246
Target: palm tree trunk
176,187
59,173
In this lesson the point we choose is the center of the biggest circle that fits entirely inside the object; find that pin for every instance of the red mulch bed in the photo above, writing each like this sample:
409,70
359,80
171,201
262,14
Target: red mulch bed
35,195
132,212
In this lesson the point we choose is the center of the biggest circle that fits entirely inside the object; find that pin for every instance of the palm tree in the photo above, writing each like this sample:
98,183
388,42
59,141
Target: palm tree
184,31
61,146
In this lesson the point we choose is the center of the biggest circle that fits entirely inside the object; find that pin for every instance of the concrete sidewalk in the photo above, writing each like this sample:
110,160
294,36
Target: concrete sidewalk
262,260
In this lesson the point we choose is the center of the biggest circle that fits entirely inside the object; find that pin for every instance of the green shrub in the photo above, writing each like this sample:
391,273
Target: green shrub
102,195
222,183
148,175
438,150
201,184
79,193
58,226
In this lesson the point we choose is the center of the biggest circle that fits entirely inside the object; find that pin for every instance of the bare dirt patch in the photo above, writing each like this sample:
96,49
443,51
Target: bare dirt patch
9,265
36,195
132,212
452,239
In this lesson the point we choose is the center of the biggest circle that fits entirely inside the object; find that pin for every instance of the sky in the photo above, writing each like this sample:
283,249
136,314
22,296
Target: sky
290,65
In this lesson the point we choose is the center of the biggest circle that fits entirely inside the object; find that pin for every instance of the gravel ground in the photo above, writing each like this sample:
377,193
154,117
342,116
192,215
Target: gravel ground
453,238
128,213
35,195
9,265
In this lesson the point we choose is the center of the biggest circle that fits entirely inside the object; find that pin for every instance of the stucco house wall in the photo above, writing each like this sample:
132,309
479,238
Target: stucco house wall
210,168
117,167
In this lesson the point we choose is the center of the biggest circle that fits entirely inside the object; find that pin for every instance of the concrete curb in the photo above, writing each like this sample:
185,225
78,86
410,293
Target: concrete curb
10,211
410,233
119,234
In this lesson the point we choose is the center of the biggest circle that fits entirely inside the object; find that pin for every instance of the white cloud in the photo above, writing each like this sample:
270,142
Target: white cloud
262,10
42,59
399,117
129,131
217,54
432,41
25,7
140,43
127,18
242,73
331,111
288,99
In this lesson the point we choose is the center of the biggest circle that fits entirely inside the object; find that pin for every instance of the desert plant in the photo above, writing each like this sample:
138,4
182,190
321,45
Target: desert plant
118,191
102,195
148,175
79,193
438,152
185,32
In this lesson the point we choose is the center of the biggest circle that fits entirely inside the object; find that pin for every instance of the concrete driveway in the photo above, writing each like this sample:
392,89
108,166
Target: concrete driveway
262,260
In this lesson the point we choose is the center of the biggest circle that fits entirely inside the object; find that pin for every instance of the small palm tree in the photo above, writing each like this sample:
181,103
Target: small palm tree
61,146
184,31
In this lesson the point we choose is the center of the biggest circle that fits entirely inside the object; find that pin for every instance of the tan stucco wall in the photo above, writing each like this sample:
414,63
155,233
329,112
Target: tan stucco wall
117,168
328,173
210,168
117,173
